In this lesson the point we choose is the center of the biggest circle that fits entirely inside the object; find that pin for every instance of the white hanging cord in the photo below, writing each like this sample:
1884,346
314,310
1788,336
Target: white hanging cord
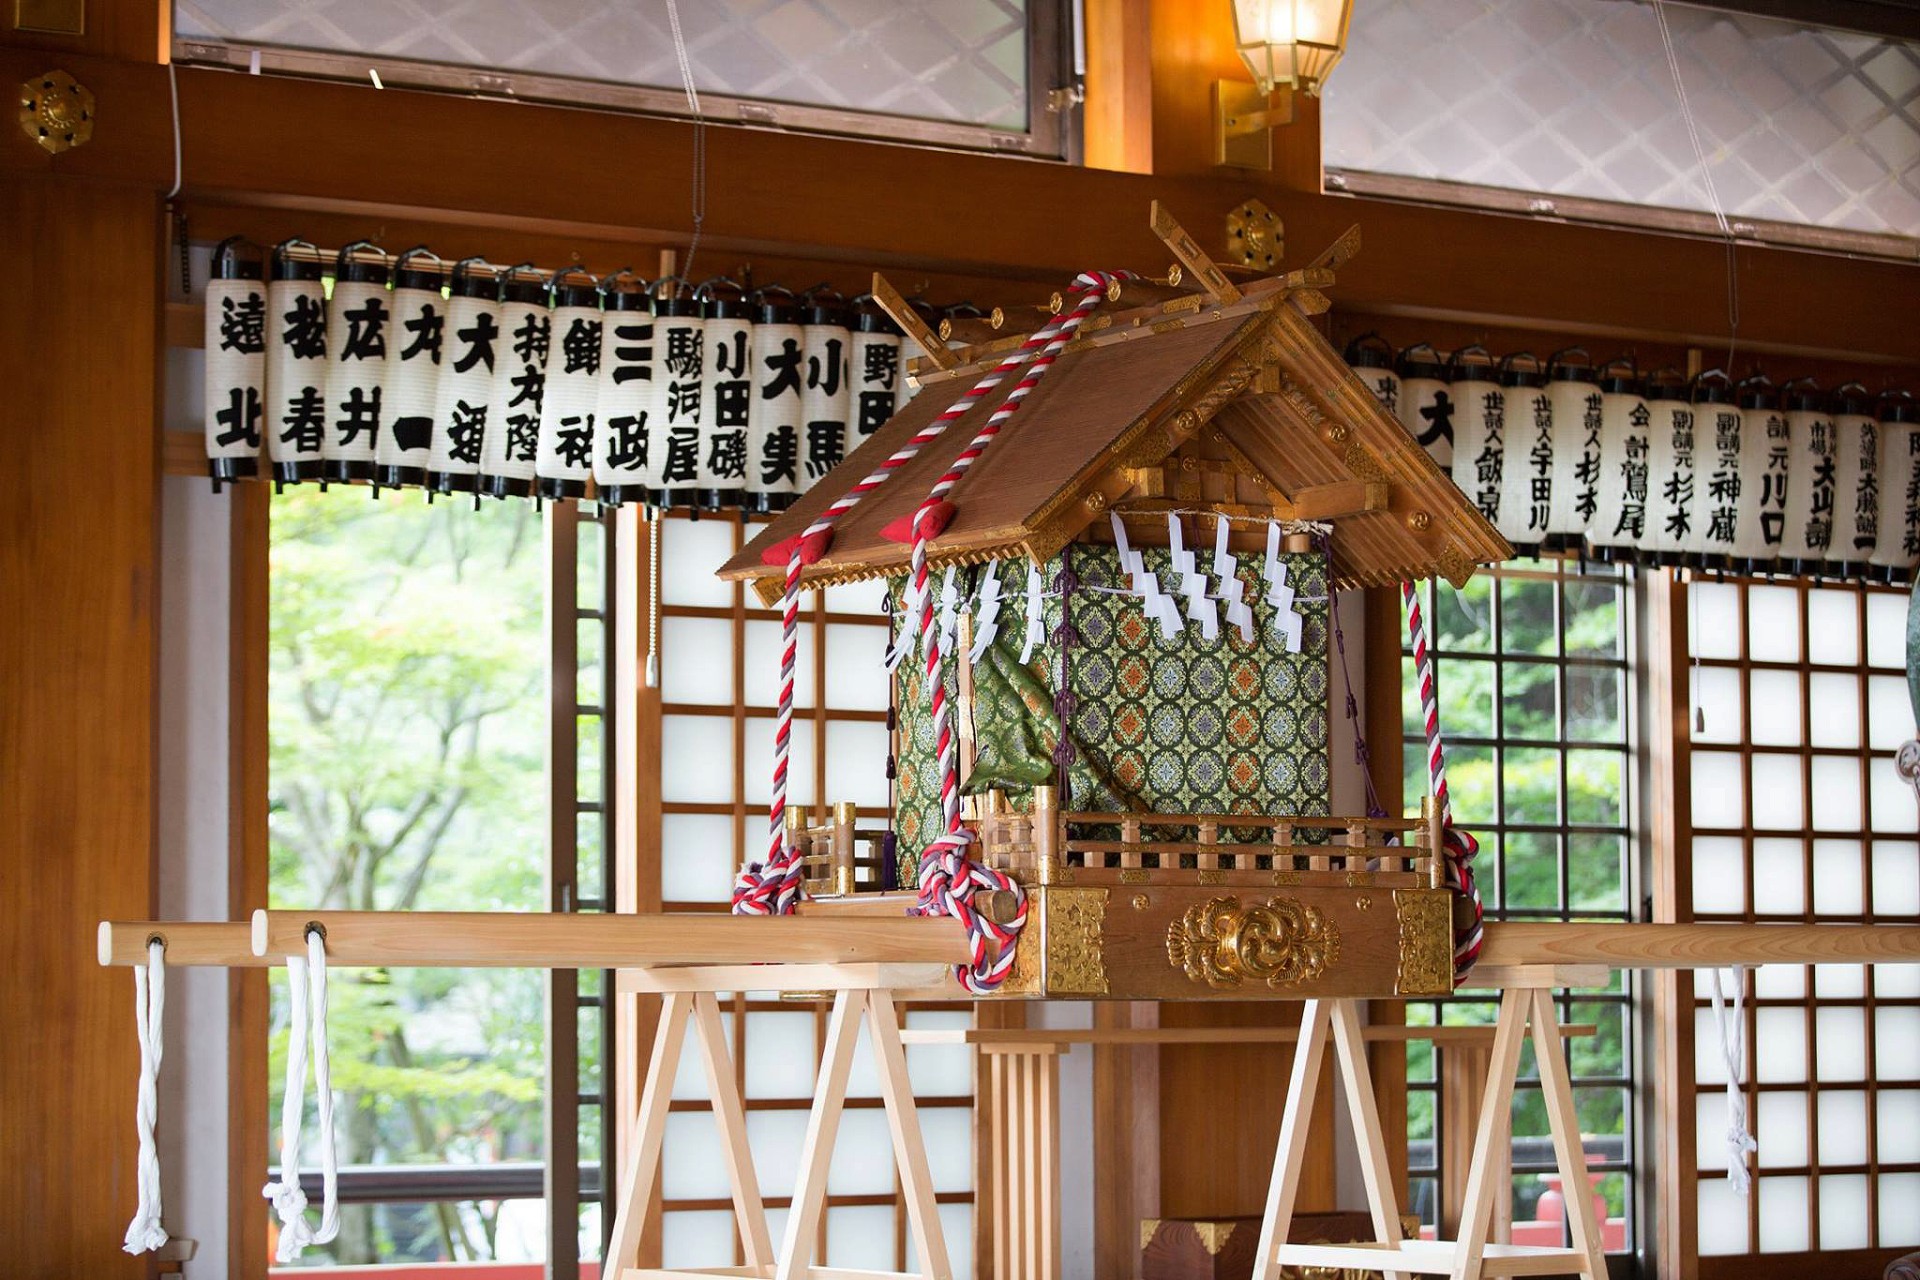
173,89
1732,1026
149,1002
699,205
1693,643
653,597
1706,177
307,1024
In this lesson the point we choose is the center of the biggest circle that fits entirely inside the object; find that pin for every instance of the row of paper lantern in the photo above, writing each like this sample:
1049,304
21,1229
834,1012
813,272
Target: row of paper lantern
515,382
1657,468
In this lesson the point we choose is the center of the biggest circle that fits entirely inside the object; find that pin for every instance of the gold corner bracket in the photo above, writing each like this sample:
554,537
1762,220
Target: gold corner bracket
56,111
1243,122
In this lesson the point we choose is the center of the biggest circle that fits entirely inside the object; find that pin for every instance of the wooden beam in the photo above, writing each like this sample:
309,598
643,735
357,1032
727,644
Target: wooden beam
1192,256
540,940
221,943
1696,946
1340,499
1116,121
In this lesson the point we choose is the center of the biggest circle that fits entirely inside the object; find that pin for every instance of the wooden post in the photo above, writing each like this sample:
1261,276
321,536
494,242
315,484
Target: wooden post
1046,833
844,815
1130,838
1209,834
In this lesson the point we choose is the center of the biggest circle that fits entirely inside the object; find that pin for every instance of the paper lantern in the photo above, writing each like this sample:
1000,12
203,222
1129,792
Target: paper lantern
826,394
357,316
296,407
413,370
1856,481
1897,545
236,360
1480,432
1716,508
563,455
1575,420
876,368
511,446
773,419
673,473
727,393
1765,456
463,401
1526,475
1622,462
1808,518
1425,403
627,351
1674,476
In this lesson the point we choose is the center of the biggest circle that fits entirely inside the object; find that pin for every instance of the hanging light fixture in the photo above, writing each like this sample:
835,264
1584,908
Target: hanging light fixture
1287,45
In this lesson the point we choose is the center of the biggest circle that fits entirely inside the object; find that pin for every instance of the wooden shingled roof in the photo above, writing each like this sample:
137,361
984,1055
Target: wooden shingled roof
1246,385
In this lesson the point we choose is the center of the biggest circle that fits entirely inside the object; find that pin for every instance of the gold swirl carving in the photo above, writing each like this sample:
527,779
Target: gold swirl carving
1282,942
1426,942
1076,959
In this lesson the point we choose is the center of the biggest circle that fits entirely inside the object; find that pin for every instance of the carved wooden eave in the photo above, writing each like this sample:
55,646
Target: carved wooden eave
1126,420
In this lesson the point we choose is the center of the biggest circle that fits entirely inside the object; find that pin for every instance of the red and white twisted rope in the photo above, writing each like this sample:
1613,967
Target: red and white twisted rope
1459,847
774,887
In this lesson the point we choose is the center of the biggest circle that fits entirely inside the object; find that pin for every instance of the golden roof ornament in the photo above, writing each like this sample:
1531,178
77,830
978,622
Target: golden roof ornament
56,111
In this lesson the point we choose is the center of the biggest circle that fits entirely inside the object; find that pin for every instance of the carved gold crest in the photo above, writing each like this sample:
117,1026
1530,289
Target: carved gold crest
1282,942
56,111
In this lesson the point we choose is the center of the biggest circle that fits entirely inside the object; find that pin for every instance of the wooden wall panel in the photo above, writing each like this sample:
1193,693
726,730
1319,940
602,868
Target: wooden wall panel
78,489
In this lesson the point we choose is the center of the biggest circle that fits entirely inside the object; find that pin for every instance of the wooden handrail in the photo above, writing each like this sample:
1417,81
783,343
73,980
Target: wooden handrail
1697,946
124,942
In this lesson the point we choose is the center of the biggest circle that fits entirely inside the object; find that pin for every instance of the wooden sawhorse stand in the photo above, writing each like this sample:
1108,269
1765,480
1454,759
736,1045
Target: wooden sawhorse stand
1526,1002
861,993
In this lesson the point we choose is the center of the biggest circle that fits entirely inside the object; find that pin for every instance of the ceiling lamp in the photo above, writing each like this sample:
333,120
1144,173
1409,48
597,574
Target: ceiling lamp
1287,45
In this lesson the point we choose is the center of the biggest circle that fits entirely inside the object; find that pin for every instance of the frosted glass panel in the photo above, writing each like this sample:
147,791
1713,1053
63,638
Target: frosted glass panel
1709,1068
1843,1212
800,766
1715,619
1718,790
1897,981
696,759
863,1081
1723,1218
1574,98
776,1138
1780,1126
690,1080
1899,1126
1719,875
1783,1215
697,861
940,1070
1836,710
1843,1127
782,1057
1779,1048
1896,878
863,1156
857,676
860,1237
699,1238
1899,1224
949,1147
763,665
1887,629
692,1167
1778,887
1840,1043
1777,800
1891,798
1889,713
1896,1033
696,661
1721,710
857,762
1836,794
1837,889
956,1224
1833,627
1773,624
1777,982
1774,708
856,597
1839,981
1710,1130
690,552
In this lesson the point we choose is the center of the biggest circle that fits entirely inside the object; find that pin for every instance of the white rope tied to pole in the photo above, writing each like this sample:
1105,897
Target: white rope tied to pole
149,1002
1733,1050
307,1024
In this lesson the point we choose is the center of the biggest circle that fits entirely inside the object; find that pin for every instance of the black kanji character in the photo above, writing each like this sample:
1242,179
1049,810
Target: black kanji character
737,345
683,352
826,445
880,366
523,436
683,400
243,324
241,418
366,332
580,348
784,365
305,420
823,371
464,432
479,340
730,401
359,412
573,443
528,384
875,408
779,453
426,328
683,454
305,334
410,434
1439,416
627,441
530,339
727,459
634,358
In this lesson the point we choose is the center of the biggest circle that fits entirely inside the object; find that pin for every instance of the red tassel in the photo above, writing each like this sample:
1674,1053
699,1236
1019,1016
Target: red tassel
812,547
934,520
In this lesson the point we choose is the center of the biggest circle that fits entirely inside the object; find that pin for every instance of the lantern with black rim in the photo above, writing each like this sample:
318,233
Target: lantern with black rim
357,316
563,457
236,360
1898,546
727,392
1526,469
1716,510
1622,459
876,368
627,370
1674,474
1480,434
296,428
1856,481
512,443
773,419
463,398
413,369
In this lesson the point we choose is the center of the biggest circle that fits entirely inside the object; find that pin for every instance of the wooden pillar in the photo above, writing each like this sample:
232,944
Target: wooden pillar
78,564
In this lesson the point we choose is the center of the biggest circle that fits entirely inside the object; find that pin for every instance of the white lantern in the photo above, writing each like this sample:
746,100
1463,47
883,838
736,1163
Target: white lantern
1526,477
1622,461
779,385
563,456
511,447
463,399
1808,520
1898,545
236,360
296,408
627,350
1673,470
357,316
1370,356
1574,403
1424,403
1480,430
1765,459
413,370
827,395
876,369
726,395
1716,510
1856,482
673,470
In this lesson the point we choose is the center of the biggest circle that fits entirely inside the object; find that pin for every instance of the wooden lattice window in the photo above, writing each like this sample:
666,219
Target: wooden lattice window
1788,809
